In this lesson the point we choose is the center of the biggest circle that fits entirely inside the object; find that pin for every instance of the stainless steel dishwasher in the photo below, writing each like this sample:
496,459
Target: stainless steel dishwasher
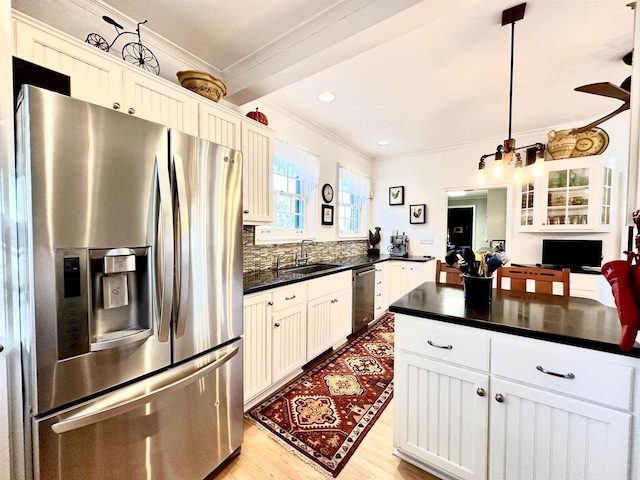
363,296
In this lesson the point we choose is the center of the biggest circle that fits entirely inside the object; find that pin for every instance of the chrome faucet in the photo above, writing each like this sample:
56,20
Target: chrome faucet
303,258
278,257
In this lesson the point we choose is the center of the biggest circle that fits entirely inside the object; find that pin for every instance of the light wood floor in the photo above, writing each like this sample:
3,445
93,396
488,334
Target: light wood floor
263,458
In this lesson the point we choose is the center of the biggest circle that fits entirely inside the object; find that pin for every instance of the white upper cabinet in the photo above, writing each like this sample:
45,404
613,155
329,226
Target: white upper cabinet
257,183
219,126
147,98
574,195
94,78
102,79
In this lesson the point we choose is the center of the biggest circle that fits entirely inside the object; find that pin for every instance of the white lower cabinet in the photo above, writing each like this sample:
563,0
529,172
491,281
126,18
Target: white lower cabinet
536,410
538,434
381,299
328,312
274,337
441,415
404,276
286,327
257,343
288,344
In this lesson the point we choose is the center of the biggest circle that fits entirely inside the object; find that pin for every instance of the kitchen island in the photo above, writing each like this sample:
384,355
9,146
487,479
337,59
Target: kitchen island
528,386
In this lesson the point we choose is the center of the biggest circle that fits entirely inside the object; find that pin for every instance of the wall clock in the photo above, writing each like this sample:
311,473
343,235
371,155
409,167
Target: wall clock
327,193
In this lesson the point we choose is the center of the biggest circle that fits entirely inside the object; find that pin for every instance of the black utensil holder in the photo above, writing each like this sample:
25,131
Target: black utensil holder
477,289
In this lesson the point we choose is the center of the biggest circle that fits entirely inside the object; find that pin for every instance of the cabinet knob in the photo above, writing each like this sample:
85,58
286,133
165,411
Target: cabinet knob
245,211
499,398
270,303
276,324
131,111
116,106
480,391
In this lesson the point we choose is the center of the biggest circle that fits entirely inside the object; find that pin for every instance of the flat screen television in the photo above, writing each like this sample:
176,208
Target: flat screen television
572,253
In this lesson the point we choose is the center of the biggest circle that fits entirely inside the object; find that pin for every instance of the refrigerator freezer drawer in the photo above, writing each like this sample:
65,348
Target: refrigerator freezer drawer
181,423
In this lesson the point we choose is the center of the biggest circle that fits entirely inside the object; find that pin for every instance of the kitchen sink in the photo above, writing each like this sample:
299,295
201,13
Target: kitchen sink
306,269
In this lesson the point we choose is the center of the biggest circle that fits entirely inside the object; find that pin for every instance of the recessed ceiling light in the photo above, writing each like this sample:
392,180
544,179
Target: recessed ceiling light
326,97
382,143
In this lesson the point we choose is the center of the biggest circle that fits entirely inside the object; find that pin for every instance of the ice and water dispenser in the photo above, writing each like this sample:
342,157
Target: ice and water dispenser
103,299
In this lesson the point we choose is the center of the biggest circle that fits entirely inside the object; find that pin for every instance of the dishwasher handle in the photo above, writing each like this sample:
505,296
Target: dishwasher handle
365,272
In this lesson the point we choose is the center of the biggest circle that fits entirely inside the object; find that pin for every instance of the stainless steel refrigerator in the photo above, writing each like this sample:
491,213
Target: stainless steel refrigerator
130,267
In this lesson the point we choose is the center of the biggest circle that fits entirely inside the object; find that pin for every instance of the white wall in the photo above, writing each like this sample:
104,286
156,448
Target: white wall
427,175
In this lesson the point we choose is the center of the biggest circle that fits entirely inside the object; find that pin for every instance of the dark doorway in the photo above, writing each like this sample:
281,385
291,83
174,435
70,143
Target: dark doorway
460,227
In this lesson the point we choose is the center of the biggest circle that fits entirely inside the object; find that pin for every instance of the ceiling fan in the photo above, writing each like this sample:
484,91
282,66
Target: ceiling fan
608,89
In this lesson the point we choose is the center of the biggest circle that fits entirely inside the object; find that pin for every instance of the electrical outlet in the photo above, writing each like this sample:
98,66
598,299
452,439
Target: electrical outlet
426,241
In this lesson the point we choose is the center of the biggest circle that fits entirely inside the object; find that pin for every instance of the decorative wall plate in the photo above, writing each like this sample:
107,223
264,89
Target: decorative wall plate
592,142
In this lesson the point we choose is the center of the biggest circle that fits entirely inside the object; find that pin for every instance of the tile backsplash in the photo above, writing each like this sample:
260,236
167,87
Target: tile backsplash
262,257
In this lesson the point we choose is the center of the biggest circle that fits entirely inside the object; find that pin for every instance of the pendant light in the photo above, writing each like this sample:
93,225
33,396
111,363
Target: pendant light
506,152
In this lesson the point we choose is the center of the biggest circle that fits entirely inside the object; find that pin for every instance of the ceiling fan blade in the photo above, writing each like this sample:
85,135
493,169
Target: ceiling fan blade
622,108
626,84
605,89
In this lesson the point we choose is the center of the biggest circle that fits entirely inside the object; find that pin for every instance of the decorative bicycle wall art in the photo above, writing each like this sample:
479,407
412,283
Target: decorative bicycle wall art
132,52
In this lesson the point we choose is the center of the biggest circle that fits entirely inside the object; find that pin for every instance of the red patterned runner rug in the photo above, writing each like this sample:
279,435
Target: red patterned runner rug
323,415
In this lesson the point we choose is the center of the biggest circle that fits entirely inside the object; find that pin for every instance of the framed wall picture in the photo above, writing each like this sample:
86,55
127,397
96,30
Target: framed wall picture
327,215
396,195
497,245
418,213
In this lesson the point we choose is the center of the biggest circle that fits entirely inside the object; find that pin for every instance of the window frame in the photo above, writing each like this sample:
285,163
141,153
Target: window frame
269,234
363,210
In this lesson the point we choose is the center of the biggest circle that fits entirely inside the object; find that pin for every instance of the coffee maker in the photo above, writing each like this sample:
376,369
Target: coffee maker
399,245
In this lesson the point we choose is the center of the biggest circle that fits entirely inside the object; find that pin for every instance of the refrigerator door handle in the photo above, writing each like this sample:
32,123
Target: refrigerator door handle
165,239
183,272
89,416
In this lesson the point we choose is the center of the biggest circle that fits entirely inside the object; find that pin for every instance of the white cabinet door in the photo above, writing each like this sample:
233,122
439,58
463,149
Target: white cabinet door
257,181
94,77
404,276
397,281
416,273
441,415
289,346
257,343
219,126
319,335
537,434
341,315
146,97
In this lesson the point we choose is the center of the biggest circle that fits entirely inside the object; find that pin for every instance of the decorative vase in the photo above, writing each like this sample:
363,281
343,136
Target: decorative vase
477,289
561,144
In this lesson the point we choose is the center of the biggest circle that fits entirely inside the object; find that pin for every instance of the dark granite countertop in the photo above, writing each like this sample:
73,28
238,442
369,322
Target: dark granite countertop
569,320
266,279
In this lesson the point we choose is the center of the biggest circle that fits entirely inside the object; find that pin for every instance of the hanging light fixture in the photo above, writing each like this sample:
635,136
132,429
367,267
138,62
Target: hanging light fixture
505,153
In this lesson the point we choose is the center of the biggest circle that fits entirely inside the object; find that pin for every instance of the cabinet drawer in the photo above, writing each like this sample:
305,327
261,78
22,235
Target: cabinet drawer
322,286
595,380
288,296
450,343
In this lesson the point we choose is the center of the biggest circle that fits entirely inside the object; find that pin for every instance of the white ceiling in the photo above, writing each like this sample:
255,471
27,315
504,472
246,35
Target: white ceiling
421,74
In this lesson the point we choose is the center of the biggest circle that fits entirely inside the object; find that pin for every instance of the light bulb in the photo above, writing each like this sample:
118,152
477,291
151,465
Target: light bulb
481,177
538,167
518,175
498,168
